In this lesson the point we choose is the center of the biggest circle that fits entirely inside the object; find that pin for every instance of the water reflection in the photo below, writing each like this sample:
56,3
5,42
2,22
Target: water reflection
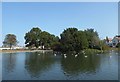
36,63
54,66
77,65
9,60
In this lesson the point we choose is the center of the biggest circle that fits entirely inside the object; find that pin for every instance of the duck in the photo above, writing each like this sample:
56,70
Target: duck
65,56
85,56
76,55
54,54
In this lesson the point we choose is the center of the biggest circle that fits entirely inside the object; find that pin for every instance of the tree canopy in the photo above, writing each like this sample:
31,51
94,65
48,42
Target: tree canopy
36,37
32,37
92,38
71,39
10,40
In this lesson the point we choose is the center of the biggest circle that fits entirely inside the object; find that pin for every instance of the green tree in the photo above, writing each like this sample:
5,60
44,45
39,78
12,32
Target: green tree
32,37
48,40
45,39
10,40
73,40
55,43
118,45
81,39
67,39
92,37
107,39
35,38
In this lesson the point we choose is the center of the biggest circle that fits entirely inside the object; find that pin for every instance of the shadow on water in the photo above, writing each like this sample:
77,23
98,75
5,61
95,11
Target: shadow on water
9,62
77,65
36,63
54,65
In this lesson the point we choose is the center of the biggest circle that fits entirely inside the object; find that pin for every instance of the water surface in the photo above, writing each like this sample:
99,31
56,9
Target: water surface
54,66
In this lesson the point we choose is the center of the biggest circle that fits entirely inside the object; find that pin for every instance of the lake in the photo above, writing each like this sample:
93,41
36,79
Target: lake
55,66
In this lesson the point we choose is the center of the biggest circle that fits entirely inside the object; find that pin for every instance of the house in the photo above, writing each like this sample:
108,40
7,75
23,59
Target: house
109,41
115,40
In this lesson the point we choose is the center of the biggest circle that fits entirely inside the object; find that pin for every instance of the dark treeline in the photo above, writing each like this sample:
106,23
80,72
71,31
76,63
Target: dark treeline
71,39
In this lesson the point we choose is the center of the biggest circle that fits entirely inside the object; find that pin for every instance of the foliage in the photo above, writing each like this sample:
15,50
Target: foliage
48,40
36,38
73,40
107,39
10,40
103,45
118,45
92,51
92,37
32,37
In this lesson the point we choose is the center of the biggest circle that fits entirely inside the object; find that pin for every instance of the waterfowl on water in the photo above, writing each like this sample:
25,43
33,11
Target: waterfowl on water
54,54
65,56
85,56
76,55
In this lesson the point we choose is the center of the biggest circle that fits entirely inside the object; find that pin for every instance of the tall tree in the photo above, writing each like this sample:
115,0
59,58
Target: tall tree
32,37
73,40
35,38
92,37
10,40
107,39
45,39
67,39
48,40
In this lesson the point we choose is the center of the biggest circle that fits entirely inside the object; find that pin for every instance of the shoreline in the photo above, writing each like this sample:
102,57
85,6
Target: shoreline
15,51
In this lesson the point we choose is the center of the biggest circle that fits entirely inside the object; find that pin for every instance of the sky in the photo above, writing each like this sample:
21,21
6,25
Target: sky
20,17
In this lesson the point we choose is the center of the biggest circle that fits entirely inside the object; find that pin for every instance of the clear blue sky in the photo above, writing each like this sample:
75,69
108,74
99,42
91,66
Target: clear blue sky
19,18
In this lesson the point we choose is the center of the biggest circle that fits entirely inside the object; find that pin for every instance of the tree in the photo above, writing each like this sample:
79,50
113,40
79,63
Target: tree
118,45
67,39
35,38
73,40
48,40
55,43
45,39
81,40
92,37
32,37
10,40
107,39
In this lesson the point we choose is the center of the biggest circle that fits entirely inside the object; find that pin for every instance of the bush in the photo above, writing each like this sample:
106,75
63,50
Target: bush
105,47
118,45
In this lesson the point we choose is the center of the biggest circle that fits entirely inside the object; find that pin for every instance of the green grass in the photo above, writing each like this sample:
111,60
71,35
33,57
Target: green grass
92,51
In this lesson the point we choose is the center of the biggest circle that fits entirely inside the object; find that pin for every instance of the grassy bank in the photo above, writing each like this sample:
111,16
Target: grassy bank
116,49
92,51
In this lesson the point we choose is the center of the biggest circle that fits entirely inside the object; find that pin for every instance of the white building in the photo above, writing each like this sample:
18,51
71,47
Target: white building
115,41
15,47
109,42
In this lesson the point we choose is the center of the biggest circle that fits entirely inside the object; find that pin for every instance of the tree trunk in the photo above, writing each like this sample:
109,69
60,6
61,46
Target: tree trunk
10,46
